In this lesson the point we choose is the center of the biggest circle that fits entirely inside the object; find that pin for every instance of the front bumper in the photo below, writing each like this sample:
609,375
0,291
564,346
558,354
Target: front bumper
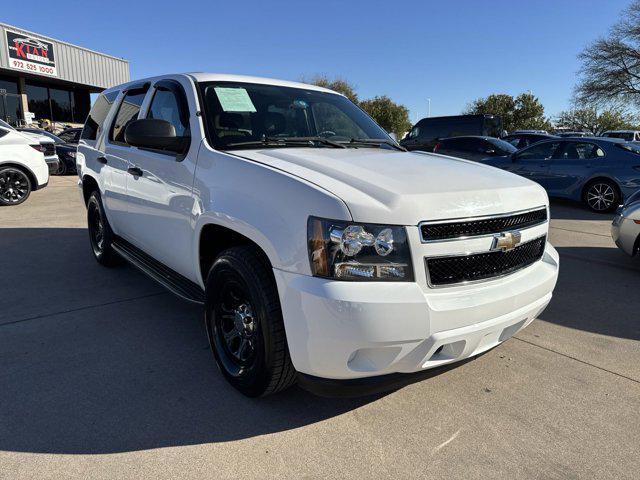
348,330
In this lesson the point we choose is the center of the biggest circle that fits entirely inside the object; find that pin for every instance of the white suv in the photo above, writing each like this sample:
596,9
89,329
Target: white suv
321,250
22,166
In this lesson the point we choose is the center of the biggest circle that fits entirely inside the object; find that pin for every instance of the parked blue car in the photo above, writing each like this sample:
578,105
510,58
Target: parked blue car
601,172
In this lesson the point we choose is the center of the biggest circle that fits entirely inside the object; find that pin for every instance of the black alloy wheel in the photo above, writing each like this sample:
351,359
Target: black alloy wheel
244,323
100,234
15,186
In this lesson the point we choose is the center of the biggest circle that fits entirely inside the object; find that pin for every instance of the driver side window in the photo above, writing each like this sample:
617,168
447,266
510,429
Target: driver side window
540,151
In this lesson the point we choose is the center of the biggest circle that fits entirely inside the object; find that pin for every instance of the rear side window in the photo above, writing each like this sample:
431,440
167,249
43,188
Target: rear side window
97,115
581,151
3,132
127,113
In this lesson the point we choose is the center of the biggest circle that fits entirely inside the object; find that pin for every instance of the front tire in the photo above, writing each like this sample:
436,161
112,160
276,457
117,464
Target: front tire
63,169
15,186
244,323
602,196
100,234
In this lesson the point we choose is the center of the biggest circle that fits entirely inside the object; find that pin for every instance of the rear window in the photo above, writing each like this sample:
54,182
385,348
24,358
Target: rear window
97,115
629,147
502,145
624,135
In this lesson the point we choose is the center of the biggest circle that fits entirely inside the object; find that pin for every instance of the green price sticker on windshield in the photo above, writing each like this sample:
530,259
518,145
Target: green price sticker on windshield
235,99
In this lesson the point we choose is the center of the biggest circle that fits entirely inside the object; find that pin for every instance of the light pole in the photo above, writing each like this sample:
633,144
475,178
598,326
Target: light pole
429,100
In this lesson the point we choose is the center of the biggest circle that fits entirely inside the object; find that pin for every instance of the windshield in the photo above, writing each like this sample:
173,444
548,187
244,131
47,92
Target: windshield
624,135
242,115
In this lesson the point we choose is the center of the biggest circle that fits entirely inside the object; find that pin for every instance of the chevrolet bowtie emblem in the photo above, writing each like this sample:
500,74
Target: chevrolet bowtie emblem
506,241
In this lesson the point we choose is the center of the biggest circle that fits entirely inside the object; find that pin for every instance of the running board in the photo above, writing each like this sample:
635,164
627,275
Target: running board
165,276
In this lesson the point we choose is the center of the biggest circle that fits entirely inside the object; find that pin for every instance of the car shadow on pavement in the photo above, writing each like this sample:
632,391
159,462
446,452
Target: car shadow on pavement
119,364
564,209
598,291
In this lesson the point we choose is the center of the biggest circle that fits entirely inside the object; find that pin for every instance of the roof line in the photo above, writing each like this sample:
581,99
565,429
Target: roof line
13,27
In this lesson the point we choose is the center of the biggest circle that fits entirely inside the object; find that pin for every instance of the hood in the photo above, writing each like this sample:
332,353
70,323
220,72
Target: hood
404,188
38,138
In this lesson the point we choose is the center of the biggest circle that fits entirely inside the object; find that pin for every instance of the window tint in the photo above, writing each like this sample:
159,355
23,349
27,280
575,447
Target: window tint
127,113
500,146
415,131
3,132
164,106
70,136
539,151
581,151
98,113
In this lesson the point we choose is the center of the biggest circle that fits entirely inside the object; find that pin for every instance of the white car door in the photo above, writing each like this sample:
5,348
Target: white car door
159,187
115,160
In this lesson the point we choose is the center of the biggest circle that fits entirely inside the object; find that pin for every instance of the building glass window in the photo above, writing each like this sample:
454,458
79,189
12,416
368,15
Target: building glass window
38,99
61,110
9,84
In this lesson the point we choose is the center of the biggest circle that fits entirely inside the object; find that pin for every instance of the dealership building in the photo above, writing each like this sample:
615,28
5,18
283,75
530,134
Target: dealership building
42,78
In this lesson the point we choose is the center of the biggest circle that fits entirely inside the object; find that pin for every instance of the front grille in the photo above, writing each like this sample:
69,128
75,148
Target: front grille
484,226
49,149
482,266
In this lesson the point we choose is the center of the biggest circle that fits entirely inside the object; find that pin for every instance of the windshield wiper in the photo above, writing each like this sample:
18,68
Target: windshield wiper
376,141
288,141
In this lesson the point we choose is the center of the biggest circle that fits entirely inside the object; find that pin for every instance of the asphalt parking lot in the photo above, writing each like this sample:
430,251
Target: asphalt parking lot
105,375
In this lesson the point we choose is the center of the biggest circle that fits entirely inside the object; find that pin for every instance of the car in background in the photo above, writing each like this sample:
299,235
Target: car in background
473,147
600,172
522,140
22,166
70,135
625,228
574,134
66,151
427,132
520,132
628,135
46,145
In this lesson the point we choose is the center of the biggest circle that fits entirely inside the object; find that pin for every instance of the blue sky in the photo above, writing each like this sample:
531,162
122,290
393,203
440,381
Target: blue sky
451,52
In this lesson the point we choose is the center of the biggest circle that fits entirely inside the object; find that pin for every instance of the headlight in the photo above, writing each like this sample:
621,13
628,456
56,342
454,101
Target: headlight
358,251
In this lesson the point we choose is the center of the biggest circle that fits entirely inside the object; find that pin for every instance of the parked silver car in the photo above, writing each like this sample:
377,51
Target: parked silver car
625,228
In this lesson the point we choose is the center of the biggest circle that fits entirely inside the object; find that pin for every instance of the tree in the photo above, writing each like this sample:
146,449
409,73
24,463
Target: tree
524,112
610,72
589,119
339,85
389,115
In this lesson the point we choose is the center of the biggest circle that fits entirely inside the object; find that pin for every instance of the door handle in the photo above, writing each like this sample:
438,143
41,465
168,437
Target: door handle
102,160
135,171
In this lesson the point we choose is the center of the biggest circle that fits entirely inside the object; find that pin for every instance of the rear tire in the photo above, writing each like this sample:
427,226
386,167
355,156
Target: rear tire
602,196
244,323
15,186
100,234
62,168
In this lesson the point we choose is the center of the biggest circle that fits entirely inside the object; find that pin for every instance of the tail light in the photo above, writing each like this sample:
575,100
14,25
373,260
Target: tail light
436,148
40,148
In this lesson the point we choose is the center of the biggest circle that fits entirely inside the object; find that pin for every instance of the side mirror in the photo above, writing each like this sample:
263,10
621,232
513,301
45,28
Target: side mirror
156,134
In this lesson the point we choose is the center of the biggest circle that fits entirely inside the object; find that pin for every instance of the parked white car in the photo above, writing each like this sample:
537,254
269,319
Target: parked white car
47,146
321,250
22,166
625,228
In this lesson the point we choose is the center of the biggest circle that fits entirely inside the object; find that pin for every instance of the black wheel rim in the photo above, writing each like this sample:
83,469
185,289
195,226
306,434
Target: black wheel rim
96,229
235,327
14,186
62,168
601,196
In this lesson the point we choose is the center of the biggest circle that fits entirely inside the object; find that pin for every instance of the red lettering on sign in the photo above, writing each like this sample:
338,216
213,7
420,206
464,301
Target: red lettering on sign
20,50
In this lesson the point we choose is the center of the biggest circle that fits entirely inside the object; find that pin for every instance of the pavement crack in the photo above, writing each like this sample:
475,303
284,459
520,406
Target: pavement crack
580,231
78,309
578,360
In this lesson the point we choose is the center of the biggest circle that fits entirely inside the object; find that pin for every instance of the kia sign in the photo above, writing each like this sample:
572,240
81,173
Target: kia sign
31,54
